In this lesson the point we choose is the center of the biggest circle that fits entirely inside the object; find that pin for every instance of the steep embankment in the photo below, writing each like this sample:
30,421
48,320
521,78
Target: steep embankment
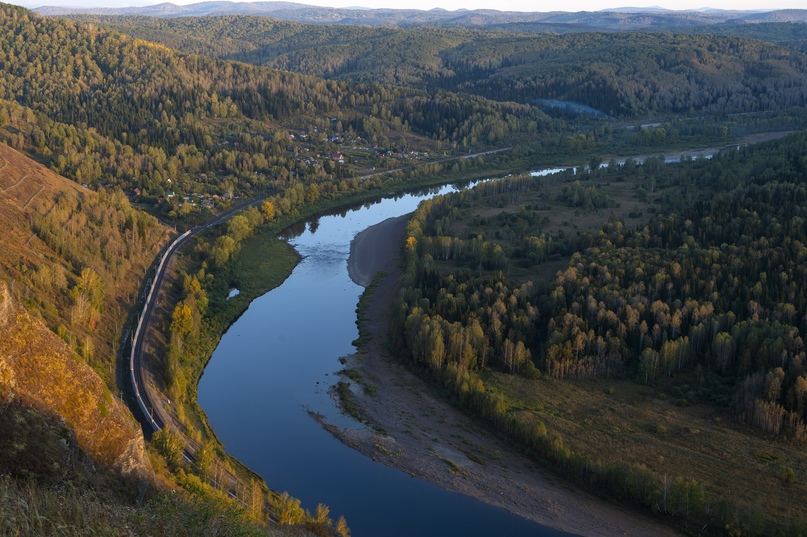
26,190
70,264
71,256
39,369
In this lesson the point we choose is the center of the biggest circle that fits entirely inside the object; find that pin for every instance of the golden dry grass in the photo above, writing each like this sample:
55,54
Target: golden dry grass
700,442
26,189
37,367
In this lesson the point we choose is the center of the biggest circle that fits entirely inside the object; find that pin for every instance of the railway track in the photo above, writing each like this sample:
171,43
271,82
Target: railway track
154,414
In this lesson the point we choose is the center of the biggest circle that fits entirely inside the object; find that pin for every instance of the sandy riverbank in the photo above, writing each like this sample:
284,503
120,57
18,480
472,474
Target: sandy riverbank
432,440
375,249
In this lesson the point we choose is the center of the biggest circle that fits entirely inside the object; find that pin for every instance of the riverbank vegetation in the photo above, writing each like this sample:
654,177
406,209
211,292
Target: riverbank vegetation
246,254
663,363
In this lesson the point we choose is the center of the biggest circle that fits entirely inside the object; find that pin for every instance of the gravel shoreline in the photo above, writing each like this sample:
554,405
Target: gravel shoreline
375,249
413,429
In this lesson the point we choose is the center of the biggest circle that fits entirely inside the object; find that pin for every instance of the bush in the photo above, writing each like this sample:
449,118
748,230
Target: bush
790,475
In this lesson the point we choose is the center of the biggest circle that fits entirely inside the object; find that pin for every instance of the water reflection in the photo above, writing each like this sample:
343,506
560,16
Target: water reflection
294,230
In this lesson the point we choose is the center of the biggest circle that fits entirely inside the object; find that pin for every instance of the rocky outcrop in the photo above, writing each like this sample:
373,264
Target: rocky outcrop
38,369
5,302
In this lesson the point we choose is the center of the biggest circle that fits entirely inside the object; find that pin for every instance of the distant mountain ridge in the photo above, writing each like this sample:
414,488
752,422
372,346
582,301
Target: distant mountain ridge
616,19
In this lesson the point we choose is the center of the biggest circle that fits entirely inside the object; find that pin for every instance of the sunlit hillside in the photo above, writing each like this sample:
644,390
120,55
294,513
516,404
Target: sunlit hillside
72,256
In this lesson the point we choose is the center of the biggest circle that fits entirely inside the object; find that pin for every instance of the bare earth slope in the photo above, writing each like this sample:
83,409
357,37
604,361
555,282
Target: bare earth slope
430,439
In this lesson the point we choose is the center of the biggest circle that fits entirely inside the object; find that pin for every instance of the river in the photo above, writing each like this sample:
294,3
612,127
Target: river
277,363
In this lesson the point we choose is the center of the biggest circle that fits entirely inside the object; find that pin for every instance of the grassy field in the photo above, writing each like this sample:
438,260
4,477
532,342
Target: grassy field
623,421
263,263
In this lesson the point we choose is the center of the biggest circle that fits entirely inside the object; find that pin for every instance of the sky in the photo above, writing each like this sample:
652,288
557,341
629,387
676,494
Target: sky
510,5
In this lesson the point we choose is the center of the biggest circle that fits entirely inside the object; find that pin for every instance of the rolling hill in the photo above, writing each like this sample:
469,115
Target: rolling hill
629,74
72,256
165,122
593,20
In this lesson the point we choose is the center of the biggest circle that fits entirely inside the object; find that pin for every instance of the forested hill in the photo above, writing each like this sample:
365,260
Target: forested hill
146,114
788,34
621,74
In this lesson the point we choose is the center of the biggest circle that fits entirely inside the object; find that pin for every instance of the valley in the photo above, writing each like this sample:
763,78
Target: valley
616,347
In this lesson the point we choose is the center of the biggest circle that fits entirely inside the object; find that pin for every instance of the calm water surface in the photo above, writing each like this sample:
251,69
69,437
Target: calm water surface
278,361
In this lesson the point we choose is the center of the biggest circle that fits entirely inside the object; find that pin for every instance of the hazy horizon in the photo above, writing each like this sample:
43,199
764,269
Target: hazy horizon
453,5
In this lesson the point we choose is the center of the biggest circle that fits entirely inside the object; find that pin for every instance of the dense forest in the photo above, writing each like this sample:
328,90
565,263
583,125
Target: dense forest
104,108
621,74
790,34
711,289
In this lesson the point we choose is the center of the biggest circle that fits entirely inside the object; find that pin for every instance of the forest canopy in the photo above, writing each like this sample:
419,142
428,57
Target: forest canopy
704,303
618,73
104,108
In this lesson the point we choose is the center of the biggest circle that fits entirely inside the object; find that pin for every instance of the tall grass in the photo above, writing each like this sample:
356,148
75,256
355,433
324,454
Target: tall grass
30,510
